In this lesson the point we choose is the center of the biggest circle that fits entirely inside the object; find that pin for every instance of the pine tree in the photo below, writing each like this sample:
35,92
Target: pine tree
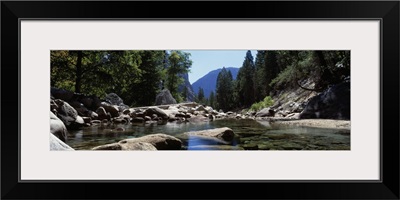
224,90
245,82
259,76
271,70
200,95
211,101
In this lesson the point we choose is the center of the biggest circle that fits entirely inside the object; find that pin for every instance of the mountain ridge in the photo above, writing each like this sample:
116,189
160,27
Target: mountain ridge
208,82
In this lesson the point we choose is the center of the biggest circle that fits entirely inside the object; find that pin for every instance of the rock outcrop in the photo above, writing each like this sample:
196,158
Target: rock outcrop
165,98
333,103
68,115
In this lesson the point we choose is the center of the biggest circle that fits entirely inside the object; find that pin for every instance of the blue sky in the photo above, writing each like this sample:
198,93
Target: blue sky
205,61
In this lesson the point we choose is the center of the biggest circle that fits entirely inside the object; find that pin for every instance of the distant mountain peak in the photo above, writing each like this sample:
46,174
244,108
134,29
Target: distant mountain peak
209,81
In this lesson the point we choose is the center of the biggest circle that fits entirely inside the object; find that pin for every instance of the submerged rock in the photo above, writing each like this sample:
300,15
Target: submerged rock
225,133
158,141
141,146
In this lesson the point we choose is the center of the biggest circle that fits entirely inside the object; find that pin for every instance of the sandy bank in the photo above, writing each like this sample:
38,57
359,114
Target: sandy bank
320,123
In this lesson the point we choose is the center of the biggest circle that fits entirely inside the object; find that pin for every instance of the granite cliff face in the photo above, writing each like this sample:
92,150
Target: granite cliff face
186,83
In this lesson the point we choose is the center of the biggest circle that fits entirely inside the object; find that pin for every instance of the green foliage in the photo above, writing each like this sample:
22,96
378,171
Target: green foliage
185,93
267,102
134,75
211,100
200,96
324,68
245,82
180,63
259,75
224,90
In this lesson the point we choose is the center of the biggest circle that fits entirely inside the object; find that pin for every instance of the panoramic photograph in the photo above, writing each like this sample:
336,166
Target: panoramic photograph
240,100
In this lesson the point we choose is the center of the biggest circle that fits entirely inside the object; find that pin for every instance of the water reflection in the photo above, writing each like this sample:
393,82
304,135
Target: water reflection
250,135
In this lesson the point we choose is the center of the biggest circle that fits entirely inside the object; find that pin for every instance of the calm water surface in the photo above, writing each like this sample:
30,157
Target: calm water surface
251,135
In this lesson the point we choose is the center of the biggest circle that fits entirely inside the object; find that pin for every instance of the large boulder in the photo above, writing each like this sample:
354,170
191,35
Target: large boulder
57,127
102,114
68,115
62,94
58,145
265,112
333,103
159,141
164,98
225,133
114,99
154,110
141,146
112,109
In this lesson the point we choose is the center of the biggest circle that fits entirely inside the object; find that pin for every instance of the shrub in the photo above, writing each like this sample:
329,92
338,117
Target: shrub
267,102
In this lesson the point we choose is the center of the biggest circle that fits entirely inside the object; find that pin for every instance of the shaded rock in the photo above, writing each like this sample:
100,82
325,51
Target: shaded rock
200,108
120,120
126,112
333,103
53,106
180,115
86,101
81,109
265,112
58,145
157,111
87,119
225,133
62,94
137,120
112,109
114,99
102,114
68,115
57,127
165,97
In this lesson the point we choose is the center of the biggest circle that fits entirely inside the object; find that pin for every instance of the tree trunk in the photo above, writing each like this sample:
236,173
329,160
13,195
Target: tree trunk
78,72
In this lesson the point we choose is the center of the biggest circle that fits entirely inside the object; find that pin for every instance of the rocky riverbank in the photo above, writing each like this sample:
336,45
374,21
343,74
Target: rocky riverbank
71,111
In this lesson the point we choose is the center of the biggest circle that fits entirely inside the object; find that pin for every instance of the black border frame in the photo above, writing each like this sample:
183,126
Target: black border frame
386,11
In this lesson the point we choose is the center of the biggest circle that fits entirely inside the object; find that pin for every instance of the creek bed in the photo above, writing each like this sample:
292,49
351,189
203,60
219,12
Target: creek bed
250,135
